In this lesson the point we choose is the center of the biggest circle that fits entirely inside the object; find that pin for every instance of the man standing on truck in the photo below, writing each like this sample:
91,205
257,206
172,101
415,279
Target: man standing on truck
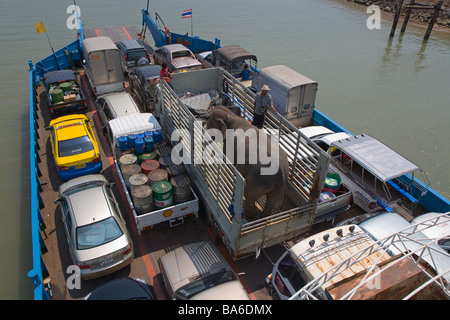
263,101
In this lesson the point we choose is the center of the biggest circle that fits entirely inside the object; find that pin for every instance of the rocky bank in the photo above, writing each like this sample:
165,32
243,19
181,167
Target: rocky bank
421,16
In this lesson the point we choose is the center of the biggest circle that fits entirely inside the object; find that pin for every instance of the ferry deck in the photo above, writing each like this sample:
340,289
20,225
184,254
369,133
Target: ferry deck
150,244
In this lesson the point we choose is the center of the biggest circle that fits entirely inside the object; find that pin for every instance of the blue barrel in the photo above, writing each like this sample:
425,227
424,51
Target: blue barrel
123,142
149,144
157,136
131,140
139,146
148,133
140,135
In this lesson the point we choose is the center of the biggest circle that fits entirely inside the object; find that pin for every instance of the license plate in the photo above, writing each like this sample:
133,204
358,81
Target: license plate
81,165
106,261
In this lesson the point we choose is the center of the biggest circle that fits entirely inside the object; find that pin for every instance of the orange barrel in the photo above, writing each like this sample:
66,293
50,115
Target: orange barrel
157,176
149,165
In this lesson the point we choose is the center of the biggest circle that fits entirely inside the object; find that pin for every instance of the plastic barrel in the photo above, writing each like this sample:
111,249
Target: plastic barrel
139,147
142,198
325,196
123,142
138,179
127,159
157,136
57,95
332,182
131,140
128,171
181,191
162,194
157,175
149,144
149,165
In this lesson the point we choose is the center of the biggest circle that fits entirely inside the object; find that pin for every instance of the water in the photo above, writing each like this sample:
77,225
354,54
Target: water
397,91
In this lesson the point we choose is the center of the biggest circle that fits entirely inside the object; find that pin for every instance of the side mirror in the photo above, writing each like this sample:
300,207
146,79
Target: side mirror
112,184
58,200
47,128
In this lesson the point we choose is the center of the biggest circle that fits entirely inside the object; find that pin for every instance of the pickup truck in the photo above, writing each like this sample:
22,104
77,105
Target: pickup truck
144,83
64,94
145,215
221,186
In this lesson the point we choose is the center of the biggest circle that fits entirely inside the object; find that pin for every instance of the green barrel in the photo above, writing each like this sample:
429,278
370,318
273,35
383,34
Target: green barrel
66,86
162,194
57,95
146,156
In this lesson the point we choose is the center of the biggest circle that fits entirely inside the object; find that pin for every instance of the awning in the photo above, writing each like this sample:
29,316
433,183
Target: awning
375,157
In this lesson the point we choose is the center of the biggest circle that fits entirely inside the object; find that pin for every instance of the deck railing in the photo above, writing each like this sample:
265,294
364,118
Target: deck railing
37,274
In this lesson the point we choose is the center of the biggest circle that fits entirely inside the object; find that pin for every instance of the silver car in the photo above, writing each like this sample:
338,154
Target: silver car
99,242
198,271
177,57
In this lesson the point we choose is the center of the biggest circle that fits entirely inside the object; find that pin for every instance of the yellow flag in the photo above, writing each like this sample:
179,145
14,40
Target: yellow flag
40,27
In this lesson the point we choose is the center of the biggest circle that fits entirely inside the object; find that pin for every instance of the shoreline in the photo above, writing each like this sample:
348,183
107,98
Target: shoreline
419,18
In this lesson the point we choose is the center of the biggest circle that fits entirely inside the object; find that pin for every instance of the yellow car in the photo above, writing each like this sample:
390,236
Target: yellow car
74,146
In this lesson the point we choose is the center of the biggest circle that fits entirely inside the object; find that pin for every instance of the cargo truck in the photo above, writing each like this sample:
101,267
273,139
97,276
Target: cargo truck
151,203
293,94
102,65
220,185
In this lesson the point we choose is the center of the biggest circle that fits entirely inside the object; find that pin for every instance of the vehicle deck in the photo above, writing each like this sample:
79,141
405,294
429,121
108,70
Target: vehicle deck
150,244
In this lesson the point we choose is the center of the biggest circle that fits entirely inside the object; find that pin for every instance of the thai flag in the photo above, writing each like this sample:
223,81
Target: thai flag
186,13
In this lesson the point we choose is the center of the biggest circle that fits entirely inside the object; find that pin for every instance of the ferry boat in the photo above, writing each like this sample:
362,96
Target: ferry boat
50,274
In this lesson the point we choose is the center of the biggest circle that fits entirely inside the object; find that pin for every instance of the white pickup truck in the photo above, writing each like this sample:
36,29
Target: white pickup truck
173,214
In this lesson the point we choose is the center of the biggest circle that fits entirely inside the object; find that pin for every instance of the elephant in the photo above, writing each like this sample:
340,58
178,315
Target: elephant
257,184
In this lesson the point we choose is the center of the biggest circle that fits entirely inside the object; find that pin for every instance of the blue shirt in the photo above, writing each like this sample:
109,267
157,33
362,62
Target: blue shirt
245,74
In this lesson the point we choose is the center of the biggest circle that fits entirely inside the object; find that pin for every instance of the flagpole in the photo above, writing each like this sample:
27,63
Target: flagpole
192,29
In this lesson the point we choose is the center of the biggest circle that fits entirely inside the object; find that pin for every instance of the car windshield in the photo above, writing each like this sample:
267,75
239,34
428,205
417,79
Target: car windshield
71,147
179,54
203,283
98,233
136,54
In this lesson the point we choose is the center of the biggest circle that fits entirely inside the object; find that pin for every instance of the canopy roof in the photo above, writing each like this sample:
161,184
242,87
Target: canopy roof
377,158
234,53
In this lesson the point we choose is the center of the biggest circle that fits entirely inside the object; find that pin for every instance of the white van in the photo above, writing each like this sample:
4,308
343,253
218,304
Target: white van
102,65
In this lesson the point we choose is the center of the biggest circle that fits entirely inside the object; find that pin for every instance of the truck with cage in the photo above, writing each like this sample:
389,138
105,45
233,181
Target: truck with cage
220,186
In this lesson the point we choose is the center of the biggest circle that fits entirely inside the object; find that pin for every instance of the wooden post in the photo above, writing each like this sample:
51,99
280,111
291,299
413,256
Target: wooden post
437,8
398,9
407,14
